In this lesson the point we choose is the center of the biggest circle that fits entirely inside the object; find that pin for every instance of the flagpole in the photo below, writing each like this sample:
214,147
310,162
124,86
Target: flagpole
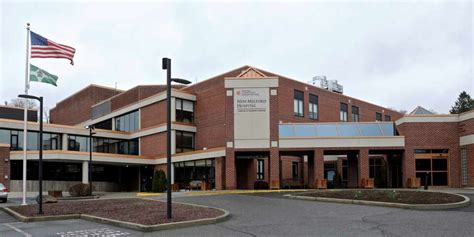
25,106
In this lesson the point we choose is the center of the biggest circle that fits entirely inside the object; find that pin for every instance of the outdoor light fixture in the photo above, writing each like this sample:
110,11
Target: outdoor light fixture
166,65
40,162
91,132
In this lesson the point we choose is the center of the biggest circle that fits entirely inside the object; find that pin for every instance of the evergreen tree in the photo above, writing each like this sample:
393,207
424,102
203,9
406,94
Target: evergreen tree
463,104
159,181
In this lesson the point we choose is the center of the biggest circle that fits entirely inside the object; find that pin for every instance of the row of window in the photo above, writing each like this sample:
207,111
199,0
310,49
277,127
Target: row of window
104,145
298,108
51,141
128,122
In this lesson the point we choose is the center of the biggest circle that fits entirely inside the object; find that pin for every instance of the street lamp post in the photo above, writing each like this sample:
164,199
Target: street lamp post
40,162
166,65
91,132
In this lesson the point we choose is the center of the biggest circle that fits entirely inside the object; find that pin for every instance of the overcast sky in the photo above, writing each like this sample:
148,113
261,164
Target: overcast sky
397,55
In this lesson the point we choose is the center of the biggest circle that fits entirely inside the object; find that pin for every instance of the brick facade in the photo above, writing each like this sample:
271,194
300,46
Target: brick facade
153,145
5,165
77,108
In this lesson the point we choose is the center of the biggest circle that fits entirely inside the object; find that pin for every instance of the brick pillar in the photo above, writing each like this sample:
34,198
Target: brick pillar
219,164
363,163
274,168
5,165
230,170
352,171
408,164
318,164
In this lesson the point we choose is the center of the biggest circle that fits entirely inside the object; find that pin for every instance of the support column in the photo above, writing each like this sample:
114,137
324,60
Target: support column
64,142
219,173
172,173
274,168
230,169
318,166
352,171
85,172
363,165
305,171
408,166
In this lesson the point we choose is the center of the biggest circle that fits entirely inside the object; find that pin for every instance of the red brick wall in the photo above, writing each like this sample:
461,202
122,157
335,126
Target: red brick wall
466,127
77,108
431,136
153,145
219,167
153,114
363,165
5,165
328,104
287,166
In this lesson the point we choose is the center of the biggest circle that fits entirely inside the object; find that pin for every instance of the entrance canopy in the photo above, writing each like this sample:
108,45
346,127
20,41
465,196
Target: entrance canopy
339,135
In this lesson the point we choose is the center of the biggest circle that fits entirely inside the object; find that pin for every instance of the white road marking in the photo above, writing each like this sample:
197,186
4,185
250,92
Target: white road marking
102,232
17,230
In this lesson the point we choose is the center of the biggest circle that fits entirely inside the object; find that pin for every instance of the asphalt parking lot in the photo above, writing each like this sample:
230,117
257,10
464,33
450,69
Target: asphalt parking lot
274,215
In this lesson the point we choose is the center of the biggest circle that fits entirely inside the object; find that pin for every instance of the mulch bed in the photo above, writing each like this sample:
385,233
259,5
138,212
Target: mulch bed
140,211
395,196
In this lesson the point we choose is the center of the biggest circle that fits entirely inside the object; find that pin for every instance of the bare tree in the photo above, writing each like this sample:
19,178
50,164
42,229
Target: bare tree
17,102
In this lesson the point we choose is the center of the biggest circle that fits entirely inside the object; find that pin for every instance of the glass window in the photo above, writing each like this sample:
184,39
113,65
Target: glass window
326,130
286,130
387,129
184,111
423,164
128,122
343,112
370,129
388,118
348,130
355,114
260,169
440,164
378,117
298,103
464,173
294,168
4,136
184,141
106,124
313,106
304,130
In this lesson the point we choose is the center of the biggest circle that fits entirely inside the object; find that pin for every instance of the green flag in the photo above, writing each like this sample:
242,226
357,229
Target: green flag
40,75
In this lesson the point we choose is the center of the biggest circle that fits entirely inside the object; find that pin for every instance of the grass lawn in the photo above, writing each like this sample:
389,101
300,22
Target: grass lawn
140,211
395,196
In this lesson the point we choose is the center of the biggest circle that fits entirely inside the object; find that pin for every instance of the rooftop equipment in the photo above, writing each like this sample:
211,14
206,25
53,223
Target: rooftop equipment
324,83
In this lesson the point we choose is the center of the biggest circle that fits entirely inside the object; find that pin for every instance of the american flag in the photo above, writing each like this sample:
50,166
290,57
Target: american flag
45,48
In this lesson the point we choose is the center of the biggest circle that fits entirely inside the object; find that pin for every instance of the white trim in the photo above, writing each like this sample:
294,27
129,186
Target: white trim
252,143
445,118
84,156
196,156
251,82
466,140
162,128
428,119
398,141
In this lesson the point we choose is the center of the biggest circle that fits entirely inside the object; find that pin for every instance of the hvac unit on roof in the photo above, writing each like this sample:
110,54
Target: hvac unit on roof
330,85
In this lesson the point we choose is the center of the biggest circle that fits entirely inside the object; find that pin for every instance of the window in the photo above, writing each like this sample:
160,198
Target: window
313,106
78,143
355,114
185,172
464,175
106,124
260,169
14,143
298,103
184,111
294,168
343,112
433,169
184,141
128,122
375,168
378,117
388,118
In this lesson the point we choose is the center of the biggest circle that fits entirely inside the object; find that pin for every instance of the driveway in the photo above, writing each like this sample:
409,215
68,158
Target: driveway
274,215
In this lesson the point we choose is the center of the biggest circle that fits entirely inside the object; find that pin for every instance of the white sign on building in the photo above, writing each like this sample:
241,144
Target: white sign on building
248,100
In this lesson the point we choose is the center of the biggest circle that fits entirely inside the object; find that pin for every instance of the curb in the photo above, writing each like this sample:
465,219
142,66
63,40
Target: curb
442,206
148,194
210,193
124,224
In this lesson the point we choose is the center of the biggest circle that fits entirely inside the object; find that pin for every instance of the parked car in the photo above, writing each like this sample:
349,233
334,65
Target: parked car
3,193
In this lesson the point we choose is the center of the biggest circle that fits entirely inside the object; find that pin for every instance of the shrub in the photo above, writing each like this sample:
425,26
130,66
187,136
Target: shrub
79,190
159,181
260,185
338,181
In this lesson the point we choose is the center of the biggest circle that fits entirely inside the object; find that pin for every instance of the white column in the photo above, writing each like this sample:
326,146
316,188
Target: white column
113,124
173,109
172,173
85,172
64,142
173,142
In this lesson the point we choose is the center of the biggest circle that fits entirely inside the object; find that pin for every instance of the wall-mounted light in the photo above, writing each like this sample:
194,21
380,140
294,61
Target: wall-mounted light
6,159
6,176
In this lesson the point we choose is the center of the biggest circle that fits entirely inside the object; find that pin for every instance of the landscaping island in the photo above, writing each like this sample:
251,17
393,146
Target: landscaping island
142,212
412,199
